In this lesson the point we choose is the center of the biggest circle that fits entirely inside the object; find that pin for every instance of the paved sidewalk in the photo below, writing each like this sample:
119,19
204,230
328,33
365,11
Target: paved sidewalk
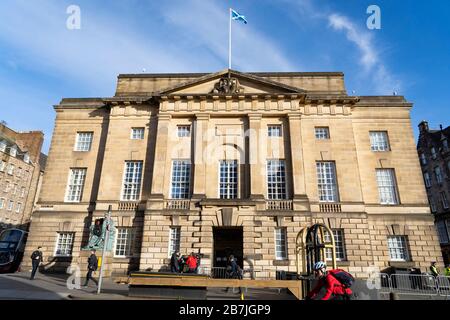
17,286
53,287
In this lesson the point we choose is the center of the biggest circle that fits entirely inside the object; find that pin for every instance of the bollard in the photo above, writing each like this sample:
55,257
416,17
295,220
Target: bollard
393,296
242,295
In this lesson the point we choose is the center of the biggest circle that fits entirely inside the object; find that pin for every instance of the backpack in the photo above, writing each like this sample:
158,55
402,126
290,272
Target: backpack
345,278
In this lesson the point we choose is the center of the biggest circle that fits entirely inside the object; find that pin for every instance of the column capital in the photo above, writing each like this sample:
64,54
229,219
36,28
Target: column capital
164,116
294,116
255,116
202,116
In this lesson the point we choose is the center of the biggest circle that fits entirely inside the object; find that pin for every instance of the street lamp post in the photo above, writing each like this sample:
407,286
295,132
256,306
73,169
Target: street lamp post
105,247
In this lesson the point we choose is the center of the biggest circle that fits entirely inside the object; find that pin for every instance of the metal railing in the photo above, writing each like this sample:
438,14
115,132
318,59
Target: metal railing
221,273
415,284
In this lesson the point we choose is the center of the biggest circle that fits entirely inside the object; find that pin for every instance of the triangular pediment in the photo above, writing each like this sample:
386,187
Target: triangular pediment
230,82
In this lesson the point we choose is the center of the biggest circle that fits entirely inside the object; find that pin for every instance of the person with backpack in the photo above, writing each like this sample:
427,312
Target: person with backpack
36,260
337,283
92,266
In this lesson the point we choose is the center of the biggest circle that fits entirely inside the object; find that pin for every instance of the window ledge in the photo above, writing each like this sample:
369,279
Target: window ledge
281,262
343,263
60,258
402,264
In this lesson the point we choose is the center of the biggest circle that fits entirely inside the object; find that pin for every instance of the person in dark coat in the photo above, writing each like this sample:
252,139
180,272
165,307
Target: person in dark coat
174,264
36,260
234,270
92,266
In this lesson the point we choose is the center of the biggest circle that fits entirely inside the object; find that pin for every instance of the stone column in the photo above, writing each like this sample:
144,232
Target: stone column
296,153
160,171
256,156
199,161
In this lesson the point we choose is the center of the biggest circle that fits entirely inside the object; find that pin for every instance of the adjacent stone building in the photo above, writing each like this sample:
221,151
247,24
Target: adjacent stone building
434,153
21,165
233,162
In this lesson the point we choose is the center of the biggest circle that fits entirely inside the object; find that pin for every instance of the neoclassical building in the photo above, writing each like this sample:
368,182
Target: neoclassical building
233,162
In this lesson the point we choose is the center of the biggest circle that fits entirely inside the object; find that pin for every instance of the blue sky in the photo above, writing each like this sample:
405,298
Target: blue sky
41,61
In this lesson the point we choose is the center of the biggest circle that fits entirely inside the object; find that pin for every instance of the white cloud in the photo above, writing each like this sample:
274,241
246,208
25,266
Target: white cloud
360,38
94,55
383,81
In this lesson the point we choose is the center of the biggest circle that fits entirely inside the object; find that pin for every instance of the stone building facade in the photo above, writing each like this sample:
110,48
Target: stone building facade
21,164
233,162
434,153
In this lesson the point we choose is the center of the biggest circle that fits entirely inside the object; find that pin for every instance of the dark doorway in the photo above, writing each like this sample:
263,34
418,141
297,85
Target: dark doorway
228,241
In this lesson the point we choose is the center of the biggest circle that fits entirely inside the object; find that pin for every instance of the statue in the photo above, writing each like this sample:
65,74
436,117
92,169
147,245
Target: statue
97,234
227,86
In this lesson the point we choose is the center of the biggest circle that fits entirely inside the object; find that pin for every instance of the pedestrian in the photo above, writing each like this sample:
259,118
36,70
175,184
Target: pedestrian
192,263
36,260
433,269
174,264
447,270
336,289
92,266
234,270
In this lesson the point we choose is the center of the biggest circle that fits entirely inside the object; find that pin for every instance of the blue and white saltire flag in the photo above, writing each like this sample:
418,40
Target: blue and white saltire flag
237,16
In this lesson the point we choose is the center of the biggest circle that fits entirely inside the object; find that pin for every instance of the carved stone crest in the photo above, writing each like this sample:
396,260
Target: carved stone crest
227,86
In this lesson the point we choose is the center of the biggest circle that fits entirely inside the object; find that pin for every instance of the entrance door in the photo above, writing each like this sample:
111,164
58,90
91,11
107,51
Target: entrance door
227,241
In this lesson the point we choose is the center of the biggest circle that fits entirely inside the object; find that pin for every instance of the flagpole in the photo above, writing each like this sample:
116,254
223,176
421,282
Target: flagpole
229,44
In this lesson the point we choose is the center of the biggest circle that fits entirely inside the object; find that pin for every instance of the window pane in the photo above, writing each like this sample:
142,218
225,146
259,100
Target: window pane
322,133
132,180
327,184
398,250
438,173
184,131
276,179
75,186
442,231
280,244
174,240
64,244
181,177
137,133
228,186
444,200
379,141
124,242
84,141
427,179
274,131
387,188
339,245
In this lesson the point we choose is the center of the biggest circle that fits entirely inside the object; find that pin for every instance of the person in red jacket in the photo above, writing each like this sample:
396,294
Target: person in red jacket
192,263
334,289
